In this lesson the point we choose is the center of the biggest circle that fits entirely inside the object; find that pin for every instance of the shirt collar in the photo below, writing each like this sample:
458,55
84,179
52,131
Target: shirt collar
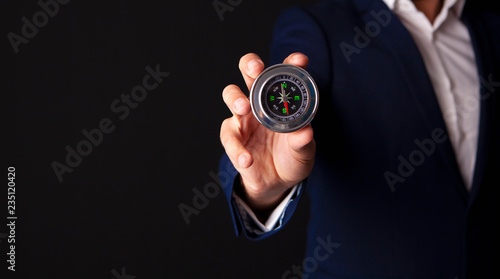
390,3
457,6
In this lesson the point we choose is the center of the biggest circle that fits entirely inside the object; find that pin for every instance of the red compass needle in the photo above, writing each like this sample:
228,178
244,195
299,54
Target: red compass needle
284,98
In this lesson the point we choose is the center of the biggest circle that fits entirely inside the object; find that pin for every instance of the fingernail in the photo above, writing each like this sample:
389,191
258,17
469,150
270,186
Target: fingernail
252,65
294,59
238,104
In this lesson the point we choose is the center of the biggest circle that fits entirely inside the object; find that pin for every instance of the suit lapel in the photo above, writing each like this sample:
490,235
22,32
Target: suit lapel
486,97
410,63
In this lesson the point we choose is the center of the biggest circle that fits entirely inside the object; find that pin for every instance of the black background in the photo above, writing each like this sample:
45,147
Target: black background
117,212
119,207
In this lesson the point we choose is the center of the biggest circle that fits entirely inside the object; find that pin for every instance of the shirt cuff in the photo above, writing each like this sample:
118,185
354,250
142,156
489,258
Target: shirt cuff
274,221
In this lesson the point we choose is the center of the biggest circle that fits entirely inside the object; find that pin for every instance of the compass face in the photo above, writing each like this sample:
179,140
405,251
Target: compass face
284,98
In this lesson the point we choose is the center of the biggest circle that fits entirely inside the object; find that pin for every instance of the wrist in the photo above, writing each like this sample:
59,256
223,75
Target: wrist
261,202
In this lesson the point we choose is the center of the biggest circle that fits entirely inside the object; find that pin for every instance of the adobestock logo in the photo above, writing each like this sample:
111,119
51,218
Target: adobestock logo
323,250
201,198
407,165
122,275
222,7
362,38
427,147
29,30
121,107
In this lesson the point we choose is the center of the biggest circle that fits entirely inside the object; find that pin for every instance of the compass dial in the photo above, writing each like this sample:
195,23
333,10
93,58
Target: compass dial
284,98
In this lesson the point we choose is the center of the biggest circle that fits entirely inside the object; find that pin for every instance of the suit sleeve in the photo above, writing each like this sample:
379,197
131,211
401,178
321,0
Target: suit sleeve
229,178
295,30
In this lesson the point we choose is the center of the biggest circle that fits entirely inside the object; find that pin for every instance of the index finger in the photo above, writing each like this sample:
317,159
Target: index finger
250,67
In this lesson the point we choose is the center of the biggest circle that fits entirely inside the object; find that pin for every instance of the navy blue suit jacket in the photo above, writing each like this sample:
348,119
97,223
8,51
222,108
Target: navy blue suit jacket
386,187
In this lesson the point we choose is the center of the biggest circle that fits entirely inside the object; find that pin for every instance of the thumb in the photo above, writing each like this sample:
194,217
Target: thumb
302,144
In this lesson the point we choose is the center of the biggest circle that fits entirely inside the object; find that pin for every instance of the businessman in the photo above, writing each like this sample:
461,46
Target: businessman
402,165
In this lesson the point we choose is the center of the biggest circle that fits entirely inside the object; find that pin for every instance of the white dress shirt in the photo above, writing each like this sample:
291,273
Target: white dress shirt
446,49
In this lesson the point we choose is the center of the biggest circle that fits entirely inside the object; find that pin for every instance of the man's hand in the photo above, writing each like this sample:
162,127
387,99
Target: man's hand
269,163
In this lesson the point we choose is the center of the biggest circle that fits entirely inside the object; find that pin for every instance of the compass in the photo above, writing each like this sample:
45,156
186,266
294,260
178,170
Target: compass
284,98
